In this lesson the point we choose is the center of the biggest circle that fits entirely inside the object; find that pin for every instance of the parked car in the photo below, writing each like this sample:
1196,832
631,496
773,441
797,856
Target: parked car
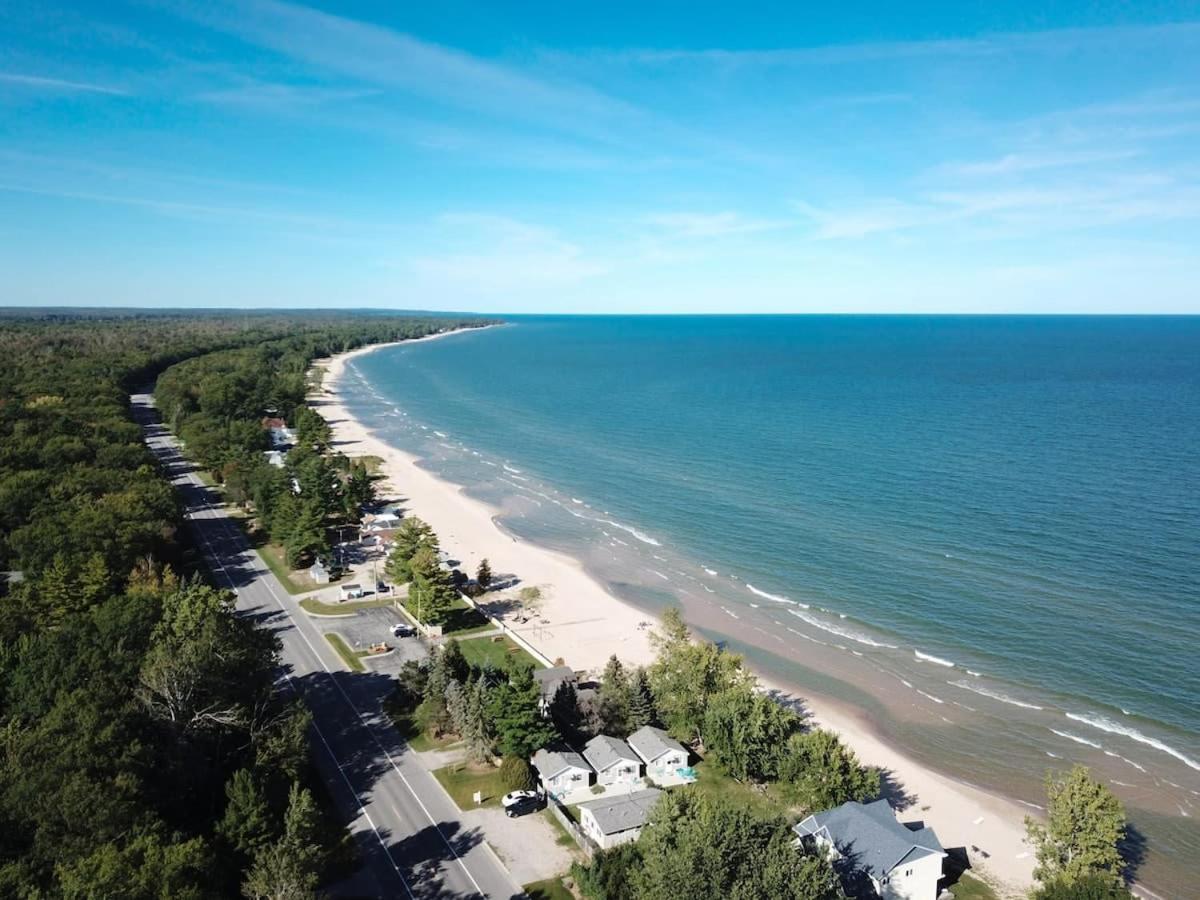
516,796
401,630
524,806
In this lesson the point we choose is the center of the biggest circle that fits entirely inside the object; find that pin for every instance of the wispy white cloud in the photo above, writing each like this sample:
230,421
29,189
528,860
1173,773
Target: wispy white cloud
709,225
1022,211
490,254
1017,163
1049,41
276,96
59,85
382,57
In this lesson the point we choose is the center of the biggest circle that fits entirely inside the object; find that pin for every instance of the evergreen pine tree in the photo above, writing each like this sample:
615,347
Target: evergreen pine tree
483,575
641,701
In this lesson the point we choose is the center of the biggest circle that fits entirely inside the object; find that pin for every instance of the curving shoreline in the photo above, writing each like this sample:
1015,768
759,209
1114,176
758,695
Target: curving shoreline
584,623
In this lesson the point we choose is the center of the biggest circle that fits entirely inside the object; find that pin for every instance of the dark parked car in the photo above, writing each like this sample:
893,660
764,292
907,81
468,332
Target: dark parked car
401,630
524,806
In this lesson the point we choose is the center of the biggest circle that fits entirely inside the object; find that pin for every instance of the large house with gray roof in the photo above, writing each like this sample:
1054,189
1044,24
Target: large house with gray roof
613,761
663,755
617,818
561,771
904,862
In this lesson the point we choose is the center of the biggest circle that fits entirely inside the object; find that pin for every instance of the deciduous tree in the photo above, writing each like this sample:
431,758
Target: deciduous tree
1085,825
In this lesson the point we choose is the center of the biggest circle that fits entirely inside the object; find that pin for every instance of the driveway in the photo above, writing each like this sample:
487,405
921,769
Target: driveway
528,846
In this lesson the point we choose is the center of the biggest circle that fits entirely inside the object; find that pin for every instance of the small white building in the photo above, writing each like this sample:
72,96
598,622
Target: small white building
384,521
350,592
613,761
318,573
663,755
617,818
561,771
904,862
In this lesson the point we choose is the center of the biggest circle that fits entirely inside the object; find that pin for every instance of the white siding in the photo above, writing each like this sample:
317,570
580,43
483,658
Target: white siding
668,763
913,881
567,780
624,772
588,822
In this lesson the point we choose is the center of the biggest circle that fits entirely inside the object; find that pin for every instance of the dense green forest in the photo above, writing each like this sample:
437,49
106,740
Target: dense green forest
144,751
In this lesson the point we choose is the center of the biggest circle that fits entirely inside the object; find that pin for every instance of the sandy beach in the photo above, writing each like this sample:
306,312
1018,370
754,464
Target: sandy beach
583,624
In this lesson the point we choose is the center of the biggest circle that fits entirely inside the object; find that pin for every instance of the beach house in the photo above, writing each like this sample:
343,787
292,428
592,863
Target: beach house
663,755
617,818
613,761
561,771
903,862
549,681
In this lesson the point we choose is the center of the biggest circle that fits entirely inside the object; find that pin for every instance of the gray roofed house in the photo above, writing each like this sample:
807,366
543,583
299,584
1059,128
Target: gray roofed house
650,743
613,760
617,818
902,861
549,681
561,771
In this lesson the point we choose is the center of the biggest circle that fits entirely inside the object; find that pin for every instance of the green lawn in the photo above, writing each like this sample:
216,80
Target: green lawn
714,780
482,651
273,556
313,605
968,887
464,619
550,889
564,838
406,724
349,657
462,780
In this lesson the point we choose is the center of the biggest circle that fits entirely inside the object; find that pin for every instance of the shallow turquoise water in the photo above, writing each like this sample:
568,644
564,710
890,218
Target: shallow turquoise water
1017,496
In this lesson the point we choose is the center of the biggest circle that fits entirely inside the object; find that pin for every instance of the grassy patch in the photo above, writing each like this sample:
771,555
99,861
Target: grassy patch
273,556
349,657
406,723
562,837
482,651
313,605
550,889
968,887
715,781
464,619
373,463
462,780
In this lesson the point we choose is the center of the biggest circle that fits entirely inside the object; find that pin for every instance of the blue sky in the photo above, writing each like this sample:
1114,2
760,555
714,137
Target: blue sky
964,157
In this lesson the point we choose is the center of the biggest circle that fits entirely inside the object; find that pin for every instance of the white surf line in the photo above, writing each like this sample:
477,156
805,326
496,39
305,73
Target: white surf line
224,522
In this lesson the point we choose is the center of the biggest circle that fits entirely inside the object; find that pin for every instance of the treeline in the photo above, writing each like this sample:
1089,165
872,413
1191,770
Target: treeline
216,403
144,751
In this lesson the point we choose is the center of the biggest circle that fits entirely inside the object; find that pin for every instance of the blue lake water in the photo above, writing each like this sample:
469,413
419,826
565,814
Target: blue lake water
864,500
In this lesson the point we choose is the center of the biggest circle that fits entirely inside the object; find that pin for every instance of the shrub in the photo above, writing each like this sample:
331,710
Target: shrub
516,774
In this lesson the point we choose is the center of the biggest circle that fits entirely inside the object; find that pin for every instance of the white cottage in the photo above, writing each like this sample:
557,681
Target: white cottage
663,755
561,771
618,818
904,862
613,761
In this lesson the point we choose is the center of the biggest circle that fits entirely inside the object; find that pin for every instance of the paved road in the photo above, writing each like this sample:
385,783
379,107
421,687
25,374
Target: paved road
413,844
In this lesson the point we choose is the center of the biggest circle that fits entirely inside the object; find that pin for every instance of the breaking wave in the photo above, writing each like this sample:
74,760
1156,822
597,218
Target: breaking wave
1134,735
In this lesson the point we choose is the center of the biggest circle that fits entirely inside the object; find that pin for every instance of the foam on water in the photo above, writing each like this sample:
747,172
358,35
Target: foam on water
778,598
1077,739
995,695
936,660
1104,724
838,630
